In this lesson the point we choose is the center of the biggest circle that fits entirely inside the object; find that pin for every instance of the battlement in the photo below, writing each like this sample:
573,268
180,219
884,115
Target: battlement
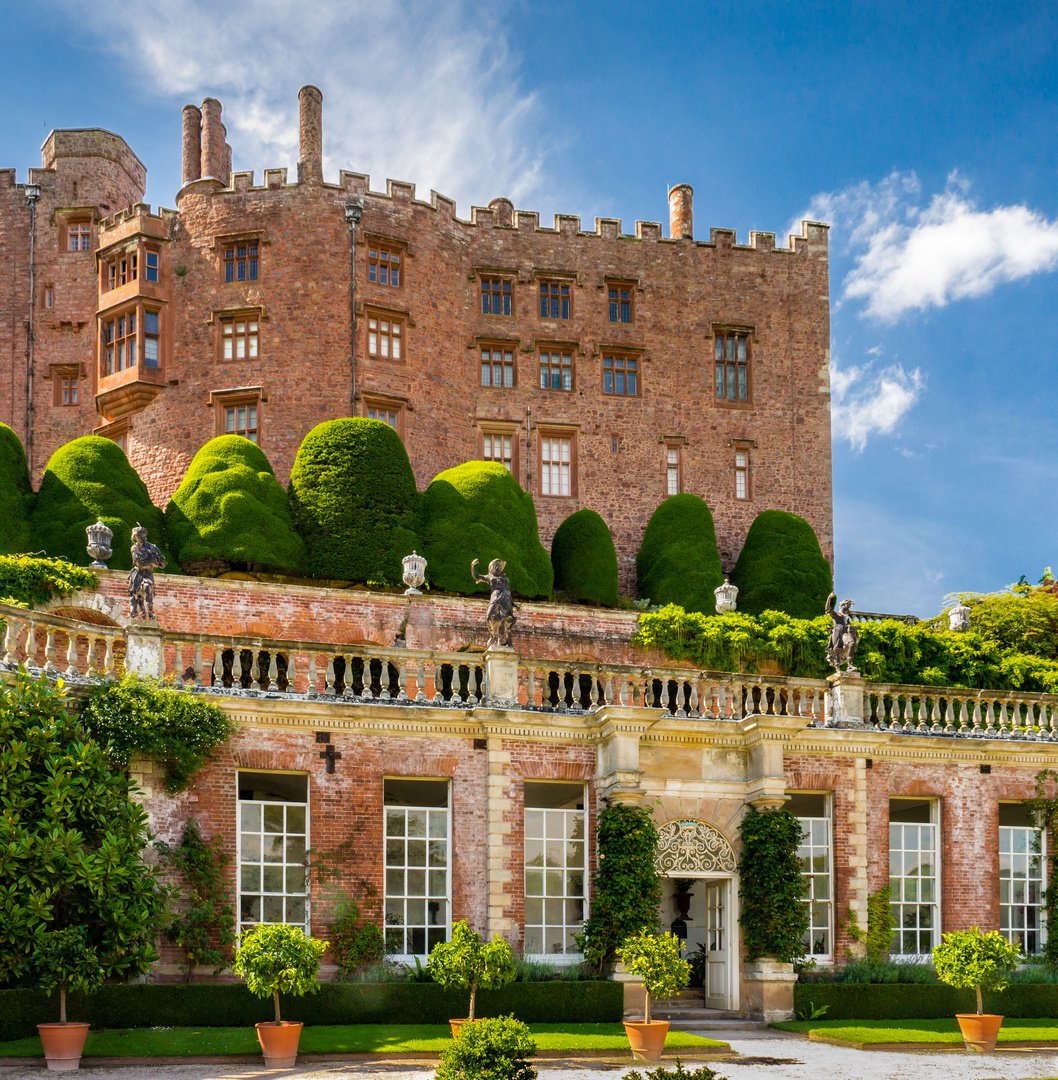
80,143
137,218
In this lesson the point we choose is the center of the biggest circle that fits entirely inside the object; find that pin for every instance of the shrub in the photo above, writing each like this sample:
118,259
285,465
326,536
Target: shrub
781,567
655,958
467,962
971,960
478,510
278,957
354,502
497,1049
177,729
678,562
355,944
231,508
28,581
584,559
87,479
70,838
703,1072
16,494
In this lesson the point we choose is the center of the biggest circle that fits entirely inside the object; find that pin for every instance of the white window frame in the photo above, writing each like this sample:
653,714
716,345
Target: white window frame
935,903
1033,837
828,818
556,463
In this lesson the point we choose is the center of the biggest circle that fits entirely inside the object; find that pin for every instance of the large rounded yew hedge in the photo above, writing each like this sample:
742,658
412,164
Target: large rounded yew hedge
87,479
230,509
479,511
678,562
782,568
584,559
16,494
354,502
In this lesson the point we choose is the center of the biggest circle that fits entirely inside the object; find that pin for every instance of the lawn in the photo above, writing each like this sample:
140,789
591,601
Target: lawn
937,1032
348,1039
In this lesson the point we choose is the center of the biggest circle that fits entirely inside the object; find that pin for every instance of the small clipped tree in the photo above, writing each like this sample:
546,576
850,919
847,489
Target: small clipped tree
231,510
584,558
781,567
87,479
479,511
65,959
16,494
772,917
277,958
678,562
969,958
354,502
626,888
495,1049
469,962
655,958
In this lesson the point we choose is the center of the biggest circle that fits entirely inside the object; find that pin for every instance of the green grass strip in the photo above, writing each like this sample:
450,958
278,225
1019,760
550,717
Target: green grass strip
344,1039
938,1032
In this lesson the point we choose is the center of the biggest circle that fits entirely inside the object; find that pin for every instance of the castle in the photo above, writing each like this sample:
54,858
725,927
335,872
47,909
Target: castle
604,369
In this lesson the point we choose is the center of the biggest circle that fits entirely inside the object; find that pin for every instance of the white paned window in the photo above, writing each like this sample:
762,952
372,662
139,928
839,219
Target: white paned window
672,470
913,876
240,339
555,865
273,840
385,415
1021,883
741,474
418,844
498,448
816,868
383,338
555,461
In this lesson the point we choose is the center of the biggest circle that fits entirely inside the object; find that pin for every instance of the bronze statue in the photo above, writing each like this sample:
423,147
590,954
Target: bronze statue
844,637
145,557
500,614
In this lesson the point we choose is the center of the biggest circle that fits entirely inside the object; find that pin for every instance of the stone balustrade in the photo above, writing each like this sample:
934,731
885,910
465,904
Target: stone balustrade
61,646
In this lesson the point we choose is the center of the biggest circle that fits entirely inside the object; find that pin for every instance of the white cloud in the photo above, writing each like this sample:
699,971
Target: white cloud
911,257
417,91
865,402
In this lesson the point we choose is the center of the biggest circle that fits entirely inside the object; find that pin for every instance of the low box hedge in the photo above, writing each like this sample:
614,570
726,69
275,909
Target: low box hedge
920,1001
232,1005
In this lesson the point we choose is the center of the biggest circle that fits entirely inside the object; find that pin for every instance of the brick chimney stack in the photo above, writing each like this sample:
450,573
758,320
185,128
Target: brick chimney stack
310,164
681,215
192,143
212,141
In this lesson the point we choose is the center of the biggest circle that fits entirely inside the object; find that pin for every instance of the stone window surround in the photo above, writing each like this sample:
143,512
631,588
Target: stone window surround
392,315
140,305
68,217
619,283
670,443
572,348
504,428
58,373
382,402
234,397
542,278
481,274
605,350
479,342
391,247
744,446
548,430
223,241
721,329
117,431
219,317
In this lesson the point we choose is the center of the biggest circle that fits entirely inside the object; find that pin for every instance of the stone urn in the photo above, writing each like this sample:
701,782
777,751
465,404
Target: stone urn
726,597
959,618
99,537
414,573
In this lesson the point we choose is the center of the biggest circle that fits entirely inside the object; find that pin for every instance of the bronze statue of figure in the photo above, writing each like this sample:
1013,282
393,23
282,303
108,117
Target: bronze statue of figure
145,557
500,614
844,637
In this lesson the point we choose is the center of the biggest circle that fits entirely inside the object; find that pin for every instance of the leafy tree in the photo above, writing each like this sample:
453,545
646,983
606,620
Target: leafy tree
204,924
277,958
64,959
27,581
678,562
354,502
230,508
626,888
584,558
772,917
87,479
469,961
478,510
1022,620
655,958
70,838
16,494
498,1048
781,567
969,958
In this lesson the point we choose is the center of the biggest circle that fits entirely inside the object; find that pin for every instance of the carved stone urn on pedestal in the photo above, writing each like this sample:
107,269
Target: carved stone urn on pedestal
414,573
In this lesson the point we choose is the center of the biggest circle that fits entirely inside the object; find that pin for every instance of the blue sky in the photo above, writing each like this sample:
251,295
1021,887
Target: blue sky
926,134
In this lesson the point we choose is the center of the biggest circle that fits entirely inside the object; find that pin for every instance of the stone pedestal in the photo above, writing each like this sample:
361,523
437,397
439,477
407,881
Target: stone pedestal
144,653
501,675
767,990
845,700
635,1000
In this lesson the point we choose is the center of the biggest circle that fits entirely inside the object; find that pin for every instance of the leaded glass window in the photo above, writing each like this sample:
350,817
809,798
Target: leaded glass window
732,367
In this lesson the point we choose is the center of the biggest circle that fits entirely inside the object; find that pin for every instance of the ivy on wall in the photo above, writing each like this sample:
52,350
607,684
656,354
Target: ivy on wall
1044,805
28,580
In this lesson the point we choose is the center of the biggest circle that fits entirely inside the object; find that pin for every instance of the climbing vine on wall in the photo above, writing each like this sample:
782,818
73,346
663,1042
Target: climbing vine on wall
1044,805
26,580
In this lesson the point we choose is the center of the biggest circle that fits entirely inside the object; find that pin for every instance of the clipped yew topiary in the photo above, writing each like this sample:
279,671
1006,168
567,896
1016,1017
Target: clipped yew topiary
584,558
479,511
16,494
231,510
678,562
353,500
781,567
87,479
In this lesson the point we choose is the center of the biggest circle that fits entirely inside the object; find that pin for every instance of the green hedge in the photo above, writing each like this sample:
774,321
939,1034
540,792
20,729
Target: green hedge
678,562
232,1005
584,558
16,494
231,508
920,1001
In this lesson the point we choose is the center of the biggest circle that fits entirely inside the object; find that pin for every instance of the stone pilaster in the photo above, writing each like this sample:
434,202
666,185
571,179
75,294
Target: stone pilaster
766,738
499,841
857,846
767,990
619,729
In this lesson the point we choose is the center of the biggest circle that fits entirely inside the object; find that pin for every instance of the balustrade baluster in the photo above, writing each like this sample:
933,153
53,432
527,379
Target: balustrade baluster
273,671
438,679
472,672
348,679
934,715
1001,716
1052,725
71,653
949,717
906,712
313,687
990,729
921,725
292,674
49,651
693,705
108,658
329,688
420,679
403,676
198,663
11,635
530,684
178,663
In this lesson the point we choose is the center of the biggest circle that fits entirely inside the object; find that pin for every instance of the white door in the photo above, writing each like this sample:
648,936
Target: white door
717,944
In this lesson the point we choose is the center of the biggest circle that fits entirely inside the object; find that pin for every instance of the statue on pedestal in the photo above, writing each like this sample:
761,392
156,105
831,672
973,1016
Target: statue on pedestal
844,637
500,614
145,558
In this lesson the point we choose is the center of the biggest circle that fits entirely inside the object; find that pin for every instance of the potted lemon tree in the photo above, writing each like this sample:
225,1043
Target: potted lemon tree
656,959
968,958
469,962
64,959
274,958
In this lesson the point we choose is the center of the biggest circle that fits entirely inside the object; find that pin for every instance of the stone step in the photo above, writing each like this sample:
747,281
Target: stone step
704,1027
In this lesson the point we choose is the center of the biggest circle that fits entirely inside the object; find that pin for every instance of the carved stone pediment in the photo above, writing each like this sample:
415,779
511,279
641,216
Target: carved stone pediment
689,846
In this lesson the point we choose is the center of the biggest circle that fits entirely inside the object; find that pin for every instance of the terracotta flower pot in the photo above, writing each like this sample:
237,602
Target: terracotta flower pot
979,1030
63,1044
279,1043
647,1040
456,1025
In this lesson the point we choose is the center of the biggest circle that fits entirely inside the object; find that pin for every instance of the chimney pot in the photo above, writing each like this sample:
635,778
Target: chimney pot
310,115
192,163
681,216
